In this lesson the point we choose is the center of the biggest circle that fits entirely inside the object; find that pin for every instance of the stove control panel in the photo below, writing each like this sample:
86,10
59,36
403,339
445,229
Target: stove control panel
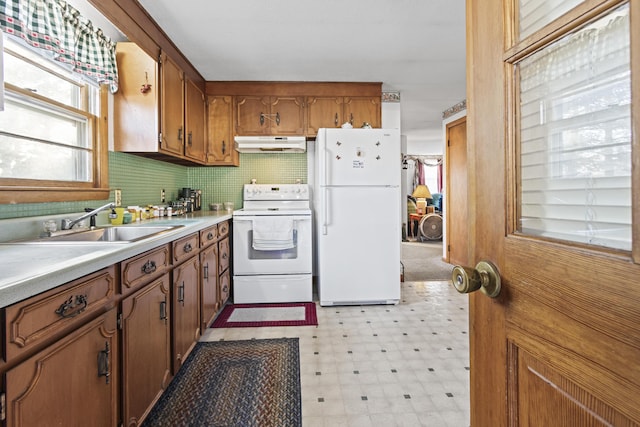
276,192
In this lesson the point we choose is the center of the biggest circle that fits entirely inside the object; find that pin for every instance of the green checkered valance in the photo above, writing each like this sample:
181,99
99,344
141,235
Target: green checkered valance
55,26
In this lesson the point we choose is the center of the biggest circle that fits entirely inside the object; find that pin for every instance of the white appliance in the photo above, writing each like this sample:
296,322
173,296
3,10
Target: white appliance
272,245
357,206
271,144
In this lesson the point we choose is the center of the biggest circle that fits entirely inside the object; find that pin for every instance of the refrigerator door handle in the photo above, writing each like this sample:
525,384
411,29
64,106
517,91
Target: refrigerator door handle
325,217
325,198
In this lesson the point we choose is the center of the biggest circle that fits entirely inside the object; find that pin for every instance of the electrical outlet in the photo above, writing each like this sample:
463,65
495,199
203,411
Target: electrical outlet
162,196
118,197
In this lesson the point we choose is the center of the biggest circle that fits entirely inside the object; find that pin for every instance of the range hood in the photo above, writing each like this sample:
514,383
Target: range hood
271,144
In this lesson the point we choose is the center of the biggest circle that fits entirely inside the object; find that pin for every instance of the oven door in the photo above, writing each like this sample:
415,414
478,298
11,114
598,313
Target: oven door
249,261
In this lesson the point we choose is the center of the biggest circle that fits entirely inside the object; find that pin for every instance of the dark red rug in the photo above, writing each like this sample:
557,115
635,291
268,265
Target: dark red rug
259,315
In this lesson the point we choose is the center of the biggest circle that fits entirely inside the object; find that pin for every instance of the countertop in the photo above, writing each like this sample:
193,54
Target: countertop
29,269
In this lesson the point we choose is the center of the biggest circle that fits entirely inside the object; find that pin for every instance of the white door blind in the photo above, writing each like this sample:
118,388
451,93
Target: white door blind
575,136
535,14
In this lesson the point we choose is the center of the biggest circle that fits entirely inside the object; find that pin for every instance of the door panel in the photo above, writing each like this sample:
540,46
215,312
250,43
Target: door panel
559,346
456,195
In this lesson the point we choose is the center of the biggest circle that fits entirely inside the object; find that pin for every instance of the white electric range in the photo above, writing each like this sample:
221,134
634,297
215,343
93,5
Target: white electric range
272,245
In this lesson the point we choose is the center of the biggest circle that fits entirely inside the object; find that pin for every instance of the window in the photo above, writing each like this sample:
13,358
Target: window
52,142
576,137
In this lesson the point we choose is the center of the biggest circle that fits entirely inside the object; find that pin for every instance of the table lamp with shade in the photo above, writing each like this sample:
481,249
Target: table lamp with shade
421,194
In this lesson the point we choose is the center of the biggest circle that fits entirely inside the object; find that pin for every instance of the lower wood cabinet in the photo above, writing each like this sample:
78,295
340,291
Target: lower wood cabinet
73,382
185,303
210,299
146,344
101,349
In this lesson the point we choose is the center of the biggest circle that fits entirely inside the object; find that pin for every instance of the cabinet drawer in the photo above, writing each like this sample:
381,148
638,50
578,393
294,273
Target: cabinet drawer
33,322
223,229
144,267
185,247
224,255
208,236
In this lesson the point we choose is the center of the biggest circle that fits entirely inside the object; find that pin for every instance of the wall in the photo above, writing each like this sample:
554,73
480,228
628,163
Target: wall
141,181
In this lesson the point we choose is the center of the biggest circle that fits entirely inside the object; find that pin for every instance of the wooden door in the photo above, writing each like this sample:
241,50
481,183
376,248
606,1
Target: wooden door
73,382
287,115
456,194
323,112
195,122
146,348
560,345
185,309
250,116
171,107
220,128
209,304
360,110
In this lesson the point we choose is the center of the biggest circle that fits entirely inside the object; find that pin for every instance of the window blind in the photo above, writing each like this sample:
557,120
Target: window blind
535,14
575,136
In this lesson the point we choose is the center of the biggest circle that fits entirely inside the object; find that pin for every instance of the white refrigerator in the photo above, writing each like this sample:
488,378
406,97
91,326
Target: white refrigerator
357,205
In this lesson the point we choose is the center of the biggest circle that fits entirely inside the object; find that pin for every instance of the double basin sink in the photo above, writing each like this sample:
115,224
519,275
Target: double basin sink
112,234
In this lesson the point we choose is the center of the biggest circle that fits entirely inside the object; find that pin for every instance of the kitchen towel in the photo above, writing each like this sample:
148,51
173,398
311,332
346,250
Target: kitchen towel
273,233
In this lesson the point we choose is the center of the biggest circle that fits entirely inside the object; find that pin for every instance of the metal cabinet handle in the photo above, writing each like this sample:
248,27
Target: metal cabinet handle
73,306
336,120
224,146
206,272
188,248
103,362
225,288
163,311
261,118
180,134
149,267
485,277
190,138
224,255
277,119
210,236
181,293
351,118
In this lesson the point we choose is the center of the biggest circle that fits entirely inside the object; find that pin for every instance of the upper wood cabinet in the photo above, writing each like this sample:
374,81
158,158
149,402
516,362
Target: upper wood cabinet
172,139
157,112
136,123
269,115
361,110
195,122
333,111
220,131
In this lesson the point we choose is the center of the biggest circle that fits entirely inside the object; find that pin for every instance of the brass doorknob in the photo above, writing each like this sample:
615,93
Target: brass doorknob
484,277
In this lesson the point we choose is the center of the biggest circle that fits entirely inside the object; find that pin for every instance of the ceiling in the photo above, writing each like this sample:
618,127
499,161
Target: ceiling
414,47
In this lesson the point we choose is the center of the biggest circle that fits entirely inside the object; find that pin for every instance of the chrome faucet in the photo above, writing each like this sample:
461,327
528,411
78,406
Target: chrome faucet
67,224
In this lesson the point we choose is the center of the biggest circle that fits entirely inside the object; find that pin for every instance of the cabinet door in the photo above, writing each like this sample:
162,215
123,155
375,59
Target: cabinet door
252,115
186,310
287,115
358,110
225,287
195,122
171,107
220,144
146,360
323,112
209,287
135,111
74,382
225,255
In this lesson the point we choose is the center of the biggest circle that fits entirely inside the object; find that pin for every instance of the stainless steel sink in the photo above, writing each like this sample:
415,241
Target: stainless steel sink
114,234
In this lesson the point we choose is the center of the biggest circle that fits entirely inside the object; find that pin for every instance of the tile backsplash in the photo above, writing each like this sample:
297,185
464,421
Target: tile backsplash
141,181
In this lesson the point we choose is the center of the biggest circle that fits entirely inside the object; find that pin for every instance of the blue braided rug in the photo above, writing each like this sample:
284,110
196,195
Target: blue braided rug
234,383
